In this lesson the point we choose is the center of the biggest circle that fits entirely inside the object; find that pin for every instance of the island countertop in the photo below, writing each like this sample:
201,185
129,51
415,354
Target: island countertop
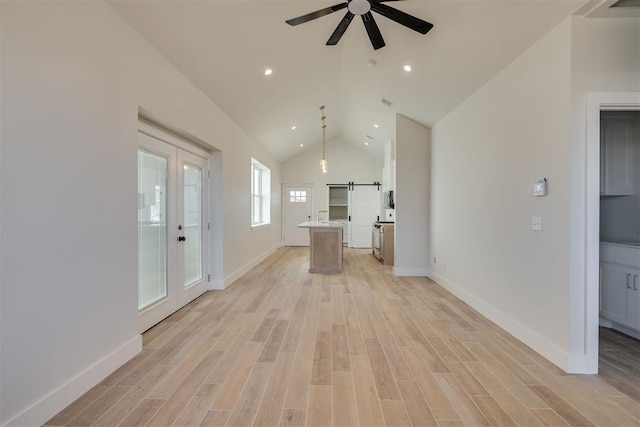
321,224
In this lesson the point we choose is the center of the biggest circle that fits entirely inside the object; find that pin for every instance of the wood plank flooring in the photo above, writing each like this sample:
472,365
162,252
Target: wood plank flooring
282,347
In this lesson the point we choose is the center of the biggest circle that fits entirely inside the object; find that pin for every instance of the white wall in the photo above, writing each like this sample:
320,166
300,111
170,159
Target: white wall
346,163
487,154
74,75
412,197
604,58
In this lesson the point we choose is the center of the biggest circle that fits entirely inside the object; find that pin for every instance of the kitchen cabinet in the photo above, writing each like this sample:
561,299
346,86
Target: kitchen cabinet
620,285
388,169
325,246
618,296
386,244
618,142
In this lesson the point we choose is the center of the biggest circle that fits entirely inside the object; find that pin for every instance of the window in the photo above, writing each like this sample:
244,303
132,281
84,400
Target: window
260,194
297,196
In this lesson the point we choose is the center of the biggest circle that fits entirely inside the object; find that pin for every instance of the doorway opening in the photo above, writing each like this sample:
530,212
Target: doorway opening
610,194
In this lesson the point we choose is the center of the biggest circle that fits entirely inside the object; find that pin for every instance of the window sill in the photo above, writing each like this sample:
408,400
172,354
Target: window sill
259,227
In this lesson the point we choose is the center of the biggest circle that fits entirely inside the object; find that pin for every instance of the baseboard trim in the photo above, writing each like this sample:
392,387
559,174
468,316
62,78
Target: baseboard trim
245,268
41,411
533,339
410,272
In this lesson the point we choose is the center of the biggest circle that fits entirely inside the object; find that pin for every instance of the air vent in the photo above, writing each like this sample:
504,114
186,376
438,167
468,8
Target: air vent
386,102
369,136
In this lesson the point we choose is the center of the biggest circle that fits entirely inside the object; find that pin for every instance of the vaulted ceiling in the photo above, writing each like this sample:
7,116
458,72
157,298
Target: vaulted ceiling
224,47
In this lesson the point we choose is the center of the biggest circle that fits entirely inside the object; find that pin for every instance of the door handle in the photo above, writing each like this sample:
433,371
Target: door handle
181,238
628,281
635,282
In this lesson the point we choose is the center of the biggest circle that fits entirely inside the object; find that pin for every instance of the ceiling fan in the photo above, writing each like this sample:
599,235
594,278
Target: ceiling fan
364,8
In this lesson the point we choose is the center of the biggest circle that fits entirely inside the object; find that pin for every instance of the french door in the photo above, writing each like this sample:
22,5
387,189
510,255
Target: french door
172,228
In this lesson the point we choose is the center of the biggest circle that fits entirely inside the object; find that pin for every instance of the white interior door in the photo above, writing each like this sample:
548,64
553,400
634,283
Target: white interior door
364,209
296,208
172,228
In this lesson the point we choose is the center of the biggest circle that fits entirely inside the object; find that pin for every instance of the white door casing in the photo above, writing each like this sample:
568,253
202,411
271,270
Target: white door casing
587,326
296,208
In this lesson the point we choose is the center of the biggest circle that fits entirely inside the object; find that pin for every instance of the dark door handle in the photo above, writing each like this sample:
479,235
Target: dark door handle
182,239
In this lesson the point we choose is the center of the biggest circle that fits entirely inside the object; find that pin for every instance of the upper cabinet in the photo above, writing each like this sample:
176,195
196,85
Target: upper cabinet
388,170
618,145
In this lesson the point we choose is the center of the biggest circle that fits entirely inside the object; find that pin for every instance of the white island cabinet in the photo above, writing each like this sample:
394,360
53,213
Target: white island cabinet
325,248
620,287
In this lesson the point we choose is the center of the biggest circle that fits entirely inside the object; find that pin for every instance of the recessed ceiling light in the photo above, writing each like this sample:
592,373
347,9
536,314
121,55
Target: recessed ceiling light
293,128
366,143
268,72
375,125
407,68
301,145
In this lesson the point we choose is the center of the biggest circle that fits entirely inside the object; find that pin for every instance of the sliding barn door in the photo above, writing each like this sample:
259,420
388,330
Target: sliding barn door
364,209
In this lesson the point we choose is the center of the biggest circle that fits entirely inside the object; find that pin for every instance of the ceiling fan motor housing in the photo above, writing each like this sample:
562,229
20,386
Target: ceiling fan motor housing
359,7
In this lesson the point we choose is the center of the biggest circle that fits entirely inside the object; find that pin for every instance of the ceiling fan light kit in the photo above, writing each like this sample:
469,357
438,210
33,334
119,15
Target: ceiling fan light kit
364,8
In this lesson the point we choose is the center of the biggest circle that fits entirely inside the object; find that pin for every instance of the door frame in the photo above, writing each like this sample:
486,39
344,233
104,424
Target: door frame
596,102
165,136
283,193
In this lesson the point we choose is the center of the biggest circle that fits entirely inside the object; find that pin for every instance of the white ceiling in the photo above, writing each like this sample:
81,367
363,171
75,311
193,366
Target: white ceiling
225,46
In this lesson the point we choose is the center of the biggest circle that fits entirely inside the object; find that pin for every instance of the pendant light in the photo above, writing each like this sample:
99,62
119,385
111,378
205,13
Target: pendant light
323,162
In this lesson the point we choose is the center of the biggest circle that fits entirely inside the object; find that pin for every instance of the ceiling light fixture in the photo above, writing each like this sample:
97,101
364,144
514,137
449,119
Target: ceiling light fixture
293,128
366,143
323,162
301,145
375,125
407,68
268,72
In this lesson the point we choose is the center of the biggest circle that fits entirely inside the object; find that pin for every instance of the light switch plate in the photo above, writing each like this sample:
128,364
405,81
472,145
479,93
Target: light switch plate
536,223
540,188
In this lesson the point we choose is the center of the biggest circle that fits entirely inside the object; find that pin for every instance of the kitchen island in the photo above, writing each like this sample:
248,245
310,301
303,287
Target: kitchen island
325,246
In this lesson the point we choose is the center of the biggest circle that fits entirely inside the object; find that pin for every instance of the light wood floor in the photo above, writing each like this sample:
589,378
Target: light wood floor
282,347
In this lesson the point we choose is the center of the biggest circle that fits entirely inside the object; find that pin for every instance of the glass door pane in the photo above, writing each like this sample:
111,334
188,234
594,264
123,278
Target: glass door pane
192,205
152,228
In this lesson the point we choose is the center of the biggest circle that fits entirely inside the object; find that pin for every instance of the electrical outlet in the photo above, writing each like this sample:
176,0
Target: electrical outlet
536,223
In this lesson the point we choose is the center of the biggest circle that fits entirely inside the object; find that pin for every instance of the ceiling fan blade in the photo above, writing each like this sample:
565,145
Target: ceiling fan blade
372,29
409,21
340,29
317,14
